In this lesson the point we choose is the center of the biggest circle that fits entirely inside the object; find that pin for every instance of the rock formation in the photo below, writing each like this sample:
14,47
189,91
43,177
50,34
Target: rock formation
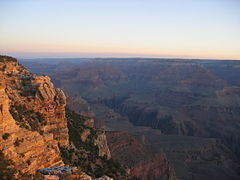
101,143
35,132
51,103
140,161
26,148
177,97
66,172
156,168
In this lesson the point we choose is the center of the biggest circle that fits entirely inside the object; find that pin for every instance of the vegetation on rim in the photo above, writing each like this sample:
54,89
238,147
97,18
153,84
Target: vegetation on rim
26,118
85,154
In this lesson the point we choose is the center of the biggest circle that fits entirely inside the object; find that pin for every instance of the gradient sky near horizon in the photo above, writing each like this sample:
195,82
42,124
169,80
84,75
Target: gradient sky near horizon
124,28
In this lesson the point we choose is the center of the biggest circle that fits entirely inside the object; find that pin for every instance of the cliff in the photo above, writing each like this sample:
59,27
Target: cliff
89,148
25,133
51,102
178,98
139,159
36,131
156,168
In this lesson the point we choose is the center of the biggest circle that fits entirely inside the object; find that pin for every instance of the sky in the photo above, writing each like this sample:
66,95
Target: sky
120,28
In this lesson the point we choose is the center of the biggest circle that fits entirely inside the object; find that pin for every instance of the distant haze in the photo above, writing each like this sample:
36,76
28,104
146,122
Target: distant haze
125,28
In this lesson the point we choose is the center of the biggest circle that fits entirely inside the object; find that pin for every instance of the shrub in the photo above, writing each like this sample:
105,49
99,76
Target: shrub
28,162
26,118
7,59
17,142
5,171
5,136
85,155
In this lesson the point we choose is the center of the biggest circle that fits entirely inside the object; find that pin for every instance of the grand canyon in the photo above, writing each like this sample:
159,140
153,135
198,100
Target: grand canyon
120,90
164,118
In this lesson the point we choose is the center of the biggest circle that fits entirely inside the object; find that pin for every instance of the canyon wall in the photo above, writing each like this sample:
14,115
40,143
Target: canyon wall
24,140
37,132
140,160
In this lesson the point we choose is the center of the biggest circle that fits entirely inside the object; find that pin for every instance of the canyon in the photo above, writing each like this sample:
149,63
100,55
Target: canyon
184,111
39,133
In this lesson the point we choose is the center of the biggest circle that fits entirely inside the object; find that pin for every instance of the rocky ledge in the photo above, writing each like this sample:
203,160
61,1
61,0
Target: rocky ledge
24,141
67,172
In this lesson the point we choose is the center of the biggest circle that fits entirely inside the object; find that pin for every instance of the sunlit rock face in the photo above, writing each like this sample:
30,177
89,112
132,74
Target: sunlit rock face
32,118
101,143
51,103
35,131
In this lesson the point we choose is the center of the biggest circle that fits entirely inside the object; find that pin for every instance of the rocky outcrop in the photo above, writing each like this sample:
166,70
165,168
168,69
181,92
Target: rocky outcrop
101,143
89,148
51,102
27,149
63,172
66,172
29,94
36,132
32,119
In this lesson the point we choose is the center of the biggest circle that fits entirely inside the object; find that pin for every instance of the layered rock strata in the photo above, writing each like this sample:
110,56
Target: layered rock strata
140,161
32,119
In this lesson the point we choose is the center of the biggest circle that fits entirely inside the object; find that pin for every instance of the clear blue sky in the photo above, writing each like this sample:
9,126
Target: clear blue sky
147,28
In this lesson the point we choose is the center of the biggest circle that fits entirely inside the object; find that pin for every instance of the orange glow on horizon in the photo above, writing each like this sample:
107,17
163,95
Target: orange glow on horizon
116,54
196,29
95,51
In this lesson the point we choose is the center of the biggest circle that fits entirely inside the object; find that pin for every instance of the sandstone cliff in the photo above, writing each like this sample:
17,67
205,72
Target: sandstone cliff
30,126
36,131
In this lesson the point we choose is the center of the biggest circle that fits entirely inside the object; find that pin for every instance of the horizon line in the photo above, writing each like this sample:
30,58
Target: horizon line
170,58
76,55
